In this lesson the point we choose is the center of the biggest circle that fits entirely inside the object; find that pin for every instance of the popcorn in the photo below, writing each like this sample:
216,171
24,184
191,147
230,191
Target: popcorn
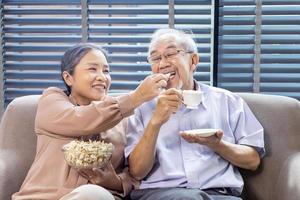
87,154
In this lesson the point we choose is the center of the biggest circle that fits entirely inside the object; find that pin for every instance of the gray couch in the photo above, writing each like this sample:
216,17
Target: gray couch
278,177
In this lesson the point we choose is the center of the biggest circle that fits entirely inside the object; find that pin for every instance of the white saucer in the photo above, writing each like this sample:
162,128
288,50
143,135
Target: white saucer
202,132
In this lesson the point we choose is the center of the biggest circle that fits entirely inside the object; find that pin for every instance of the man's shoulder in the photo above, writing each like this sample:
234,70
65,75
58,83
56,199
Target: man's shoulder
221,93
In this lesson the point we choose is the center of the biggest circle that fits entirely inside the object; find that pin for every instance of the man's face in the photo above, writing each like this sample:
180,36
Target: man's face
170,57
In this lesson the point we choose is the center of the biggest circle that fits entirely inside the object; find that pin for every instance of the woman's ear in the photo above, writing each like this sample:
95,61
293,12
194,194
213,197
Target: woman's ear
195,61
68,78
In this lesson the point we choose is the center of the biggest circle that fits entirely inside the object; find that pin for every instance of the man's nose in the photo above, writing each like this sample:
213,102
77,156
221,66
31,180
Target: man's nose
164,63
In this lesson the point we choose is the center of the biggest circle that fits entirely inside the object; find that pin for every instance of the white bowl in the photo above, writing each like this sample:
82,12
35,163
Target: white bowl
202,132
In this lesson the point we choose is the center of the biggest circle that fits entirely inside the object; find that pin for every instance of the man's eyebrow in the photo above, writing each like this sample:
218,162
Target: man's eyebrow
172,46
152,52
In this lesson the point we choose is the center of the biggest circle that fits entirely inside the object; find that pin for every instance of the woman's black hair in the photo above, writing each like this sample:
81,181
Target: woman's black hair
72,57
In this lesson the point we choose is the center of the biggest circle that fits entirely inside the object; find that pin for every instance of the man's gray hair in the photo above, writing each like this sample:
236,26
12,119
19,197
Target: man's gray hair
183,38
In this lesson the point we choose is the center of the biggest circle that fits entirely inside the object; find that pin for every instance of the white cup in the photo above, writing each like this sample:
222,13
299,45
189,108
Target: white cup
192,98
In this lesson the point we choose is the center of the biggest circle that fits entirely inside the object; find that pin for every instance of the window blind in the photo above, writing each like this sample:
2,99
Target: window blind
36,33
279,64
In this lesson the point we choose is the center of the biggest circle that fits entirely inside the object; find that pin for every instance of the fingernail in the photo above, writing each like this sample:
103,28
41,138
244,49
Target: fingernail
168,75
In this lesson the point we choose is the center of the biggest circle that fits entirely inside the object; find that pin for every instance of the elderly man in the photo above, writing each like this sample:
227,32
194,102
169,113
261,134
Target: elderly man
172,164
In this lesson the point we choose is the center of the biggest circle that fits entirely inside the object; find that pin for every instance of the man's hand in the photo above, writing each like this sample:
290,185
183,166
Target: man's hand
211,141
105,177
239,155
168,102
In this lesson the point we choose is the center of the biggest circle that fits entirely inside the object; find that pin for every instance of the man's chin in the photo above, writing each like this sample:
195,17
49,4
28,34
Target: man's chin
169,87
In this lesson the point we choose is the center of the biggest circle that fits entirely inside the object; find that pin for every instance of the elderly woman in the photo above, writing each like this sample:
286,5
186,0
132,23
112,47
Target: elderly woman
84,111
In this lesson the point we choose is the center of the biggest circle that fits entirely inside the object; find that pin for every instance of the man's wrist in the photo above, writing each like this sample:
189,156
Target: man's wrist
218,146
156,124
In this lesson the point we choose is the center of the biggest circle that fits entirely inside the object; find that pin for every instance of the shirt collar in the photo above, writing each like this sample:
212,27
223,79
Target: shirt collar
200,87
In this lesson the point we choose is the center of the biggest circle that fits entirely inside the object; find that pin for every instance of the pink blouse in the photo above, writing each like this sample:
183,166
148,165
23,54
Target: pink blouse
58,121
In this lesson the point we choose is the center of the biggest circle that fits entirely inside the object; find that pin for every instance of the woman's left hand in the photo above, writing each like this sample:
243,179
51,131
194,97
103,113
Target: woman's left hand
105,177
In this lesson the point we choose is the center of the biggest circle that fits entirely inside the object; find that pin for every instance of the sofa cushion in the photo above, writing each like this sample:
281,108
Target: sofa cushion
17,143
280,117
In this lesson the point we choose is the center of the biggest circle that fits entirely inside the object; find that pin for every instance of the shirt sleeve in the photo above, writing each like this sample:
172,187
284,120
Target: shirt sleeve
135,131
56,114
246,128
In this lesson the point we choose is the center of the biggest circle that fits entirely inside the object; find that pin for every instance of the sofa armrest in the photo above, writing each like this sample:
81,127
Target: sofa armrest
11,173
288,182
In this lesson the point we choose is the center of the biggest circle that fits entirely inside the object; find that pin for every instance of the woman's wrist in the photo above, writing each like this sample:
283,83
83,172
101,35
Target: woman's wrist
136,98
120,184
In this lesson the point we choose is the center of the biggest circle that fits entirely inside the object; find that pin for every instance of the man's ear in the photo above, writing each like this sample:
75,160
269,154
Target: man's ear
195,61
68,78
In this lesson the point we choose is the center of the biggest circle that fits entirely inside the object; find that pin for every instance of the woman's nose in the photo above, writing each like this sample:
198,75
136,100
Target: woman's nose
100,76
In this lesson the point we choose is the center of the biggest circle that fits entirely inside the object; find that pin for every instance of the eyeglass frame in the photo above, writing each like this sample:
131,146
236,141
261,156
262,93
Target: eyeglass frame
166,57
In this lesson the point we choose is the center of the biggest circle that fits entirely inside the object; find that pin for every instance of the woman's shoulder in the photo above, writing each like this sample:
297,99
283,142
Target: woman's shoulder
54,91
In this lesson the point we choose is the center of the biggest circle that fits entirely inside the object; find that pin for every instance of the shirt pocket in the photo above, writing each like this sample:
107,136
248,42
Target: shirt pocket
203,151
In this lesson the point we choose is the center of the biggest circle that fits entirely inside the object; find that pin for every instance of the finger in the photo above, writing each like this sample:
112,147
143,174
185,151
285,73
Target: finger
188,138
171,97
161,84
98,170
83,174
110,166
174,91
219,134
169,105
86,174
158,77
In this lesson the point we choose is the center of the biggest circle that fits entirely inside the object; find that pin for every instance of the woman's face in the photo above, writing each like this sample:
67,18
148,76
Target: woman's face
91,79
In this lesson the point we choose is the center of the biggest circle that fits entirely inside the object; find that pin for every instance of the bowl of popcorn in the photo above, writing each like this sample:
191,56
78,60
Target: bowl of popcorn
87,154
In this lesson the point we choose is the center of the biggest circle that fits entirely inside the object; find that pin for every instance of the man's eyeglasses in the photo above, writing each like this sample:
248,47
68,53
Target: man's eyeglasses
169,55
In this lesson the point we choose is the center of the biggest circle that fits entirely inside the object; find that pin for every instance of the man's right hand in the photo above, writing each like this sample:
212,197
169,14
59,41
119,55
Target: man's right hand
168,102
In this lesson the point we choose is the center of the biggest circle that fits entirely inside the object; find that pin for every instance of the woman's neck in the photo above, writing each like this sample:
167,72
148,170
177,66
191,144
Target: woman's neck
79,101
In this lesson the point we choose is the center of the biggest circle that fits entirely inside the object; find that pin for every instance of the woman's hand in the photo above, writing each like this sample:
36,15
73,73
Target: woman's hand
168,102
149,88
105,177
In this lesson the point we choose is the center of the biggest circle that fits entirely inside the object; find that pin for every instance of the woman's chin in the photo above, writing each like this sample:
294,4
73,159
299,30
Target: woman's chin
99,97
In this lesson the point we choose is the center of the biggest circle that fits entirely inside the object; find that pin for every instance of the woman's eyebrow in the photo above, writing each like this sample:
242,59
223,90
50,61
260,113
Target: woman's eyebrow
105,66
98,65
94,64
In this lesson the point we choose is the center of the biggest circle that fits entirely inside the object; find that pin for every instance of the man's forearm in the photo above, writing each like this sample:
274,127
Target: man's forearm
142,158
239,155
